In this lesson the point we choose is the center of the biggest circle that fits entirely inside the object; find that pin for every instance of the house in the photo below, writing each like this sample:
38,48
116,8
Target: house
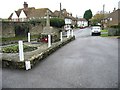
14,16
22,16
68,18
82,22
28,13
113,18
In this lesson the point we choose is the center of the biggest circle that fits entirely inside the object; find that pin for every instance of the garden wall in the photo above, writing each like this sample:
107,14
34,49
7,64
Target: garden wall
8,28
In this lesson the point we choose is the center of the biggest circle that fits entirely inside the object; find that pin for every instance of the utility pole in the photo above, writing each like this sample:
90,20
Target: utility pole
103,21
60,10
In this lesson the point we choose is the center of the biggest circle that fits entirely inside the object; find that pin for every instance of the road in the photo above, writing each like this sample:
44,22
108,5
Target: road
87,62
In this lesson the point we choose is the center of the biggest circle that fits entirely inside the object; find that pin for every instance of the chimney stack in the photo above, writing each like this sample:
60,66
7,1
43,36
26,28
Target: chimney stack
25,5
70,14
114,10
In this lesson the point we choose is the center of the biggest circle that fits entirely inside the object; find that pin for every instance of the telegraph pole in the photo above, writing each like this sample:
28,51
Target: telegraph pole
60,10
103,16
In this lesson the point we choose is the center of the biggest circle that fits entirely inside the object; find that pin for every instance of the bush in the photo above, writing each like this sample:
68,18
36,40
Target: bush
57,22
114,30
21,29
15,49
115,26
37,21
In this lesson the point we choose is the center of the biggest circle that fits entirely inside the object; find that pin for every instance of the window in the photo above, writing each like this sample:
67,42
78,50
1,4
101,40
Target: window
110,19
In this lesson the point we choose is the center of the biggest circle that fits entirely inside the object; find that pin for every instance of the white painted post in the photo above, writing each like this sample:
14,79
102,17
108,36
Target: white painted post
28,37
27,65
61,36
67,34
49,41
72,33
21,53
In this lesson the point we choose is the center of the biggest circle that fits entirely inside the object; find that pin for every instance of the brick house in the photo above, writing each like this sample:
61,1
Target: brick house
113,18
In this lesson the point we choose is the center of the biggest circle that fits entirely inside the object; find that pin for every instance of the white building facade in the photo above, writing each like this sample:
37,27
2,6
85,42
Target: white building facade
22,16
82,22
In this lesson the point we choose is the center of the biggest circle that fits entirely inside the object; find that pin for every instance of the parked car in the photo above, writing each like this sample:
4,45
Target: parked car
95,30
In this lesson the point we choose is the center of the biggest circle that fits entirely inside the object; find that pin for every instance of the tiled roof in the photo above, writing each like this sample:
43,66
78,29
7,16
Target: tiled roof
38,12
81,19
32,12
64,14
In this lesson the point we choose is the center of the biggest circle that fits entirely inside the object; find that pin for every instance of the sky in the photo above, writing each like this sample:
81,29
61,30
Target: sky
76,7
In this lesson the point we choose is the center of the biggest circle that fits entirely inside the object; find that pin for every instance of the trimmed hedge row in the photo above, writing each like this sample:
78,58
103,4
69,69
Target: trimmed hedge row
114,30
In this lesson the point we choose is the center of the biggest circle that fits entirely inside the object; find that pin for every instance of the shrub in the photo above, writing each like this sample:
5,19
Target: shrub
21,29
115,26
114,30
57,22
15,49
36,21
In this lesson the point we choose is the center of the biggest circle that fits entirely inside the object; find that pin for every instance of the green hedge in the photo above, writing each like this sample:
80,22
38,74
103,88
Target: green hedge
114,30
21,29
57,22
115,26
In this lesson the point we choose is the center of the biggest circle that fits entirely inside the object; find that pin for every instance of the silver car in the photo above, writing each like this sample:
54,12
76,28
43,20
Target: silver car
95,30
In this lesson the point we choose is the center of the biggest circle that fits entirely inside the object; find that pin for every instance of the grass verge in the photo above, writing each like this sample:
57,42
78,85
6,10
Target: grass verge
104,33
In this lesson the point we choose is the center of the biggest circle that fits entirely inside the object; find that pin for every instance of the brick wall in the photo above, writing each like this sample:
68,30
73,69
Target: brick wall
115,19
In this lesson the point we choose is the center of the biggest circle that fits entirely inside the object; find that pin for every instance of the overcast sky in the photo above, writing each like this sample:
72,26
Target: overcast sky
76,7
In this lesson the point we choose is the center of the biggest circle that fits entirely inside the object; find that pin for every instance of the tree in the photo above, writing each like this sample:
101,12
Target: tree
88,15
98,17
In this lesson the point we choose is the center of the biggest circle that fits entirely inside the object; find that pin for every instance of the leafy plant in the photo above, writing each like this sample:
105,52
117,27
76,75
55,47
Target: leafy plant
57,22
21,29
15,49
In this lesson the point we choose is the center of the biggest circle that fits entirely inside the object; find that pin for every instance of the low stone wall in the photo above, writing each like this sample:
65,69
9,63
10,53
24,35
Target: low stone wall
35,59
114,32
